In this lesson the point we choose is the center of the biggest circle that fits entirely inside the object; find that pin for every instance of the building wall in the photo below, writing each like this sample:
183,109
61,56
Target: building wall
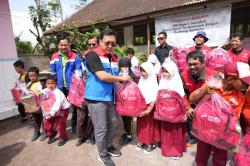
8,56
40,61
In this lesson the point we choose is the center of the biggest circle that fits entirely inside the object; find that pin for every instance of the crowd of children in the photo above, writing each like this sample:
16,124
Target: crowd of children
172,136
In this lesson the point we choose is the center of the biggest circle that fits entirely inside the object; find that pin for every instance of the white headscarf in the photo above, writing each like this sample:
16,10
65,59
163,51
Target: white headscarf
153,59
149,85
174,82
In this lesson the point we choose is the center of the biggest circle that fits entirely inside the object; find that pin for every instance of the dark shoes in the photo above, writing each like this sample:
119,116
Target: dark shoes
43,137
52,138
112,151
106,161
35,136
61,142
79,142
149,148
24,119
125,139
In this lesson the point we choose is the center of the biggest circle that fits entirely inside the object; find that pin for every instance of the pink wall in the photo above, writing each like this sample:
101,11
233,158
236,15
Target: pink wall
7,43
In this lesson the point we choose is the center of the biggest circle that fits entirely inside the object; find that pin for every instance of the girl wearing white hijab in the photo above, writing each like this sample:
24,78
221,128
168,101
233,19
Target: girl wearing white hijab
157,66
173,135
147,127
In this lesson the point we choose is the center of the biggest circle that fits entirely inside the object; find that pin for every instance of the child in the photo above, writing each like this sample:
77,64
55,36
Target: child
230,91
23,78
147,127
85,128
157,66
35,86
173,135
58,114
125,69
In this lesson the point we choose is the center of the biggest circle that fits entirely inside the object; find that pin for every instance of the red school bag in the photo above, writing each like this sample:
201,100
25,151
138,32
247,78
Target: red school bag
169,107
242,157
76,91
129,101
217,59
16,93
215,123
179,54
47,103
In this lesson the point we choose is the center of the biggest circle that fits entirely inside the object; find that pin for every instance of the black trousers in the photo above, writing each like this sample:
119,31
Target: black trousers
21,110
127,124
38,119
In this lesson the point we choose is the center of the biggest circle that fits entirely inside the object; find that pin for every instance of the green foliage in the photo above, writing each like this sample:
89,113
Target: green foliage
23,47
79,40
42,14
120,51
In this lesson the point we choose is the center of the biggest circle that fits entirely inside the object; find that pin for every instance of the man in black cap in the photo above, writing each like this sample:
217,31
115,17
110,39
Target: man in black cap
162,51
200,38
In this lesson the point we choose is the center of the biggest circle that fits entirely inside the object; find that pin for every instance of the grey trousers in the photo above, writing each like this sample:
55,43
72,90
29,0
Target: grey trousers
104,118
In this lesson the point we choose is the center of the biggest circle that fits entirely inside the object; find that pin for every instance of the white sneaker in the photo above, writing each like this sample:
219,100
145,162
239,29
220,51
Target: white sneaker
175,157
139,147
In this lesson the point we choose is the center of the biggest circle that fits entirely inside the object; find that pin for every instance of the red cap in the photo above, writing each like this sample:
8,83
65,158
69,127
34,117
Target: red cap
238,70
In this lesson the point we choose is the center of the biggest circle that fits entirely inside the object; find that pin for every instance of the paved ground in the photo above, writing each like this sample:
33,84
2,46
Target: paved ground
16,149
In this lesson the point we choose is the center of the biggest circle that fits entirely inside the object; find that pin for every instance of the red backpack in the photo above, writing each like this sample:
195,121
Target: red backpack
242,157
47,103
215,123
217,59
129,101
179,54
137,75
76,91
16,93
169,107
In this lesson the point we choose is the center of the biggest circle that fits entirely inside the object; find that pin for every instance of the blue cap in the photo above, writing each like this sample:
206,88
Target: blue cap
203,34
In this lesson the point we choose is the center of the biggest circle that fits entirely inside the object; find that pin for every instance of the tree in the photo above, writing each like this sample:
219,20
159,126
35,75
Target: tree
43,14
23,47
121,52
79,40
80,3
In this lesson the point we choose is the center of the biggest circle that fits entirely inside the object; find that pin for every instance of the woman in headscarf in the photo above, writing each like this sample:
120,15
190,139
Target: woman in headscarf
125,69
147,127
173,135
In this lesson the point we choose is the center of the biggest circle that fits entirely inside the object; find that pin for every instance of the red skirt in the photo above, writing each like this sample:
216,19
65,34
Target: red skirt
173,139
148,131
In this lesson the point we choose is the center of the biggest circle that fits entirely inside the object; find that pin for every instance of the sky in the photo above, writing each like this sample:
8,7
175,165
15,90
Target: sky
21,21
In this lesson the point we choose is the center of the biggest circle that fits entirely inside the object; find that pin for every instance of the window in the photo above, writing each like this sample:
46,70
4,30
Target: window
140,34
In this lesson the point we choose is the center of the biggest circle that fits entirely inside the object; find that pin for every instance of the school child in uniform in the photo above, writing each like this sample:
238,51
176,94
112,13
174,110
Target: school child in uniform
157,65
35,86
147,127
230,91
58,114
85,128
125,69
23,78
173,135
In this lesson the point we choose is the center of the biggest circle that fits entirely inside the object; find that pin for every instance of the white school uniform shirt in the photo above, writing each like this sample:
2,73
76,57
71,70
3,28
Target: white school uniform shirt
60,103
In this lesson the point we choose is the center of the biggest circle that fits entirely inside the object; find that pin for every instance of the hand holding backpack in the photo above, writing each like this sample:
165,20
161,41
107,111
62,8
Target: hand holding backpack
215,123
129,101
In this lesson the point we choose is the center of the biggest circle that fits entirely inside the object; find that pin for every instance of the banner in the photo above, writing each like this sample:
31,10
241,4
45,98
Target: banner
182,27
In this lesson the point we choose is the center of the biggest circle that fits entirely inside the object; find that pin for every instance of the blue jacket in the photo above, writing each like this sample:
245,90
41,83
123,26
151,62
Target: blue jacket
96,89
73,63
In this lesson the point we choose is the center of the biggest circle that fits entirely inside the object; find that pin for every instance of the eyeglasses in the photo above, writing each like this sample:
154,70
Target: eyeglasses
194,64
91,44
109,43
160,38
